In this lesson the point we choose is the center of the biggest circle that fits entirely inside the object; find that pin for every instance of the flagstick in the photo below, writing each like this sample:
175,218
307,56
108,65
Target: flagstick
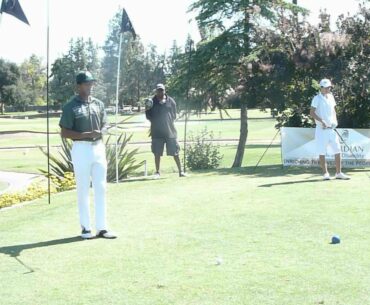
47,95
187,104
117,93
186,124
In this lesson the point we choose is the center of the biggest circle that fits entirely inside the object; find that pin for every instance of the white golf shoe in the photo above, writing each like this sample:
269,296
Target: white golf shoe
326,176
106,234
342,176
86,234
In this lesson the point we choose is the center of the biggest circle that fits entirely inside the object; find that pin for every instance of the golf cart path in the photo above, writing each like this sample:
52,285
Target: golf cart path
16,181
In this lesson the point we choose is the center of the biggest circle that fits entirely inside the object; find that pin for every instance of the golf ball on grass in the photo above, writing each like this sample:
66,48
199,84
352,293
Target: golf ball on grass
335,240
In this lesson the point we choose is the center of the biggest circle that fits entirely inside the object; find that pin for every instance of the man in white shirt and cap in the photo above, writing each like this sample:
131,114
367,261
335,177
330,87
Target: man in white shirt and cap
323,111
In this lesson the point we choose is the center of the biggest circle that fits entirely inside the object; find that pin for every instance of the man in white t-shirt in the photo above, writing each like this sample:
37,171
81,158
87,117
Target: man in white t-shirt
323,111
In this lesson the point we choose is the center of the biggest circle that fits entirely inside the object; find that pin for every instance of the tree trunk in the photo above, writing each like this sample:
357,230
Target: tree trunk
243,108
243,136
138,88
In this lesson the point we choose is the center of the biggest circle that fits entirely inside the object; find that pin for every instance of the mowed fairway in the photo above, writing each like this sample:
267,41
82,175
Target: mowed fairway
222,237
219,238
27,157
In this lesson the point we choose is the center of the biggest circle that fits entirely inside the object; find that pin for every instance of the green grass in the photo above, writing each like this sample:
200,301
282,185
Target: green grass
231,114
19,113
31,160
261,128
251,156
271,229
38,125
23,160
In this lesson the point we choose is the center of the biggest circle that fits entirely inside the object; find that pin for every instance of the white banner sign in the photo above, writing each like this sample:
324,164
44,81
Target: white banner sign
299,147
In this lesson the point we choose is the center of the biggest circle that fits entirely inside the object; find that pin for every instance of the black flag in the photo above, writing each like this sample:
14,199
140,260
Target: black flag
126,25
12,7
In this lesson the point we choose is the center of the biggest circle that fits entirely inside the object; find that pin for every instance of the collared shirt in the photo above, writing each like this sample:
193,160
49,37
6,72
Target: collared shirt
325,109
162,117
82,116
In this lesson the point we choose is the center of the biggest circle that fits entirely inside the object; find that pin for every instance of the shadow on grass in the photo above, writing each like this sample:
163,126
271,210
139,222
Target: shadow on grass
291,182
16,250
139,179
273,170
353,171
260,146
277,170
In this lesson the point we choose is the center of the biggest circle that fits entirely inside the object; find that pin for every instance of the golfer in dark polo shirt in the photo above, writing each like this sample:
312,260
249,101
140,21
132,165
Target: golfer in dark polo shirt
83,120
162,115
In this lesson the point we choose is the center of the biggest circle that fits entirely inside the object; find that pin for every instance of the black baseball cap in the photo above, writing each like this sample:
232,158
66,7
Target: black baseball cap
84,77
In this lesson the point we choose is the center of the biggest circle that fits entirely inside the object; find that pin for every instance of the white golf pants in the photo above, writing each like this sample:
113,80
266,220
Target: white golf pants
90,165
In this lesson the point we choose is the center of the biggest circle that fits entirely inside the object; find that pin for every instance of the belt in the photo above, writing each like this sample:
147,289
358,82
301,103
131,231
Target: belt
89,141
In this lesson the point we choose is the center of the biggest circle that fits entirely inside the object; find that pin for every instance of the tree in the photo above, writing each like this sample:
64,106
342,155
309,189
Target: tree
63,80
200,83
140,69
110,59
316,52
353,79
177,76
230,55
9,74
173,60
82,55
32,81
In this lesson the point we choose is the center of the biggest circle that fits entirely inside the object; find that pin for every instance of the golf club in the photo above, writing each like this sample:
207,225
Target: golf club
349,148
272,141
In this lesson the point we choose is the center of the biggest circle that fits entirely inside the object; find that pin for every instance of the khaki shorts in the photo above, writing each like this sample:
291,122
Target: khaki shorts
172,146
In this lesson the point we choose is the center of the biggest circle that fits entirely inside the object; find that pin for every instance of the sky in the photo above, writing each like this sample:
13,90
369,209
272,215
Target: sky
158,22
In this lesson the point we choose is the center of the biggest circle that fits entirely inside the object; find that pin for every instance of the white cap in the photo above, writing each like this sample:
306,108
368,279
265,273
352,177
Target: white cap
161,86
325,83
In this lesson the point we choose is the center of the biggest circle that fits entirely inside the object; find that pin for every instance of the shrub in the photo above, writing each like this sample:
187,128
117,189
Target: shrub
34,191
202,153
127,163
37,190
65,183
61,163
294,117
